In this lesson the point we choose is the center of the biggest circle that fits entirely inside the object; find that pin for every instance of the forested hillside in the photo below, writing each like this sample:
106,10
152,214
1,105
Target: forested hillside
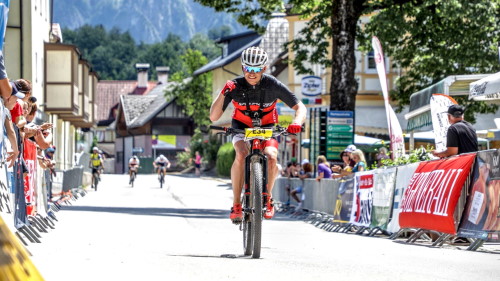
114,53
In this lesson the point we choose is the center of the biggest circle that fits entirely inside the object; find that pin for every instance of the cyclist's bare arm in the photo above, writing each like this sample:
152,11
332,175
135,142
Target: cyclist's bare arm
300,113
216,108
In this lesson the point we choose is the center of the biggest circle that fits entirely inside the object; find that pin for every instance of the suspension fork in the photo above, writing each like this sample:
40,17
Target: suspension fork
256,151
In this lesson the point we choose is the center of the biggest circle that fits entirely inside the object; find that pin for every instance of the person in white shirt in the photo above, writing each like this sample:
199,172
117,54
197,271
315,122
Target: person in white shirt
133,165
161,163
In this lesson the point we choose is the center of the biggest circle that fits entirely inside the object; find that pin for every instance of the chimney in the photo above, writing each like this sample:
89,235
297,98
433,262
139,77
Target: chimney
142,74
162,72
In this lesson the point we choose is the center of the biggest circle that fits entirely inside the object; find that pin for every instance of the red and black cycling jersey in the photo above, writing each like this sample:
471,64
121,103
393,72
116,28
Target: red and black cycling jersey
257,103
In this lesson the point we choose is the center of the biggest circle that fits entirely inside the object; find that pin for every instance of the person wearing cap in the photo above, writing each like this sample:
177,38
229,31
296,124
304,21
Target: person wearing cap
461,136
16,108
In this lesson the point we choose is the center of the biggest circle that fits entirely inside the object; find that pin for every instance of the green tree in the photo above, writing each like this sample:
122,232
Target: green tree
222,31
193,94
333,27
207,46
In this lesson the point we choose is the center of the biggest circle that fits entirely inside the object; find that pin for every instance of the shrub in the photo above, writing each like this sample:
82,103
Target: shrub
184,159
225,159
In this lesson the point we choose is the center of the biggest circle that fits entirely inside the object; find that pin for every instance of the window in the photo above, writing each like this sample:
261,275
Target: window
371,66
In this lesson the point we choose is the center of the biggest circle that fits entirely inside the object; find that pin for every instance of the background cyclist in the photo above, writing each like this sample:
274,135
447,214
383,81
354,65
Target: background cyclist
254,96
133,165
161,163
96,163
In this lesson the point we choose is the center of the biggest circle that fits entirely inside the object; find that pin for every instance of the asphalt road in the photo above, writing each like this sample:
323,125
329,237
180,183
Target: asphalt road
182,232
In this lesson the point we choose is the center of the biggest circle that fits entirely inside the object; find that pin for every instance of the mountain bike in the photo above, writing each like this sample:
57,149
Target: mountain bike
255,187
133,174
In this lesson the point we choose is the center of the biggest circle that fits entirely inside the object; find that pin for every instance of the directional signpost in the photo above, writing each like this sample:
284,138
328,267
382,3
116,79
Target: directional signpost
339,132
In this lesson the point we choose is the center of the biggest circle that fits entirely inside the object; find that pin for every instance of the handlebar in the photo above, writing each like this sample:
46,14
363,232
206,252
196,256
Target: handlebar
277,130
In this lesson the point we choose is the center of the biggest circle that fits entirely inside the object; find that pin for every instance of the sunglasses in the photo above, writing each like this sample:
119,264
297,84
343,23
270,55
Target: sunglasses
254,69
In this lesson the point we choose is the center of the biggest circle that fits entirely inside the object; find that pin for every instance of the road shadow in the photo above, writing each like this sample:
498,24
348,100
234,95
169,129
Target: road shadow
168,212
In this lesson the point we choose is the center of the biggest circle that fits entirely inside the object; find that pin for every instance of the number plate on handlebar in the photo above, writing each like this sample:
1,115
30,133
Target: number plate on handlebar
252,133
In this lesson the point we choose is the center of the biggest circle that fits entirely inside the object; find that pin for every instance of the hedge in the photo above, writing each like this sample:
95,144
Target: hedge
225,159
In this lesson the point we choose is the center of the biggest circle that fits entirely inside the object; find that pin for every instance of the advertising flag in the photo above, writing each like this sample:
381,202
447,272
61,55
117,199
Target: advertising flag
439,110
395,131
432,195
481,218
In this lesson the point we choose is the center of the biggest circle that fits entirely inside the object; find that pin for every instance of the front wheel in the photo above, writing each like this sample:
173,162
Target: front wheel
256,183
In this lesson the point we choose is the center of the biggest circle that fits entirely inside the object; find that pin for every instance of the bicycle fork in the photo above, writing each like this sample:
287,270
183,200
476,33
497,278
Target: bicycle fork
248,193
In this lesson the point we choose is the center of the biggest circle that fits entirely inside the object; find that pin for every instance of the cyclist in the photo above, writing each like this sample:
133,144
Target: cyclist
96,163
133,164
161,163
254,96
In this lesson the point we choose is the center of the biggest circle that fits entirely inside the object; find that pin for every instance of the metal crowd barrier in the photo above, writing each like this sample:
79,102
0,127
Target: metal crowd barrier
322,205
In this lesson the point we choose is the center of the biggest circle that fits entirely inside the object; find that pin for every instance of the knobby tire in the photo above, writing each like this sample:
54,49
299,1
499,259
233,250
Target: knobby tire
256,193
247,227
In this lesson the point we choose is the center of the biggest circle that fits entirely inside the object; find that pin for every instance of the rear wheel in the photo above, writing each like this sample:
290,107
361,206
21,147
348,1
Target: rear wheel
256,176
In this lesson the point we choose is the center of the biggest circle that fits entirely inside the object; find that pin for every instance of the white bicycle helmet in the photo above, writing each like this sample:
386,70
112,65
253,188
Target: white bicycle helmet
254,56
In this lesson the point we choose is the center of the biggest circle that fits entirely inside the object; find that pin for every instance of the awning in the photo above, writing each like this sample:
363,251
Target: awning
487,88
420,111
429,136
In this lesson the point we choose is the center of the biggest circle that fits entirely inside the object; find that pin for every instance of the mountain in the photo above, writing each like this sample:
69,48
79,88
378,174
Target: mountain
148,21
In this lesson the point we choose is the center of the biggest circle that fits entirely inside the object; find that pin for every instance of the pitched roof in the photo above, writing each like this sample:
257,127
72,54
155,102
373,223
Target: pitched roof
221,61
138,110
109,92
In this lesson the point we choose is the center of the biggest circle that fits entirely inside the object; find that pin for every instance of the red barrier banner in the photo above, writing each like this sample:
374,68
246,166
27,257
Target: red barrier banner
30,179
481,218
432,194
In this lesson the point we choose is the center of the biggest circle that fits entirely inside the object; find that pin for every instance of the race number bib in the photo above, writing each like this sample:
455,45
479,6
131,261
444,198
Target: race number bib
252,133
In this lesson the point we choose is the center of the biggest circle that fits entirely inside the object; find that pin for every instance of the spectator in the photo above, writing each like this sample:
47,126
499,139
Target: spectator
359,157
305,172
292,169
337,169
381,155
350,149
8,100
461,136
197,163
323,168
